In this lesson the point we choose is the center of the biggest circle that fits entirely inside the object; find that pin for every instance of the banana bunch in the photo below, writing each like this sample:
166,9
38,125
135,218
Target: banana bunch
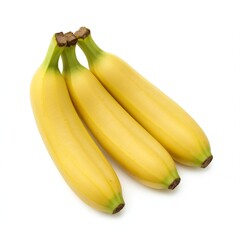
141,128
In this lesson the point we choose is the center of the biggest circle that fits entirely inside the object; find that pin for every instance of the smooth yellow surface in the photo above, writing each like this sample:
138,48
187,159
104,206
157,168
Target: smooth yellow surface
156,112
75,154
120,135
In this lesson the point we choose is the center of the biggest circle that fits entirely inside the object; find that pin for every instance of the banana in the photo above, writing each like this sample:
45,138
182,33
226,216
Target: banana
118,133
76,155
164,119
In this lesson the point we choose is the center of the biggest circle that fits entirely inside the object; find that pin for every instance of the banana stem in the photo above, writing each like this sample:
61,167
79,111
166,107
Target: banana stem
70,60
86,43
55,49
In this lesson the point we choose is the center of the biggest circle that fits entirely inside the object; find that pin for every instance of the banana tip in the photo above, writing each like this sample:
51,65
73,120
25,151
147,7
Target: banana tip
207,161
174,183
118,208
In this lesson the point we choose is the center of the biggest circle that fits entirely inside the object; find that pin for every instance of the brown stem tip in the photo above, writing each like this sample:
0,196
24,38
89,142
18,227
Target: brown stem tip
61,40
70,38
174,183
83,32
207,161
118,208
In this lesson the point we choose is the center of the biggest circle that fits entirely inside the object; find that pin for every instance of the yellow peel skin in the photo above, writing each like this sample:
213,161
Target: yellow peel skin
157,113
77,157
118,133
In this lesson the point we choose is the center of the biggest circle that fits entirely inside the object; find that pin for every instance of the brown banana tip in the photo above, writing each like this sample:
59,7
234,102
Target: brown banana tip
118,208
174,183
61,39
70,38
207,161
82,33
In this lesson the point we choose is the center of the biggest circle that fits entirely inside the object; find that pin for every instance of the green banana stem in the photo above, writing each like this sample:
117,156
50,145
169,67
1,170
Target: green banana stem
55,49
89,47
69,58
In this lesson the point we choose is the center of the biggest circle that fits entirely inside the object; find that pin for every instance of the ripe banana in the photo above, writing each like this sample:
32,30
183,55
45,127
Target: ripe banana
118,133
156,112
74,152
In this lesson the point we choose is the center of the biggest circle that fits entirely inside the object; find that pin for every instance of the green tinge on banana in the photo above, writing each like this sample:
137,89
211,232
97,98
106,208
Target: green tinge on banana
77,157
157,113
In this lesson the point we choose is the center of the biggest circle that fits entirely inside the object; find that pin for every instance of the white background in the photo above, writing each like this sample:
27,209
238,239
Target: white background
191,51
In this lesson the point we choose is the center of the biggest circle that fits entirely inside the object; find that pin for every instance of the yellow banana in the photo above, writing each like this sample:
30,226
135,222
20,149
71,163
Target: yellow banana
74,152
156,112
118,133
